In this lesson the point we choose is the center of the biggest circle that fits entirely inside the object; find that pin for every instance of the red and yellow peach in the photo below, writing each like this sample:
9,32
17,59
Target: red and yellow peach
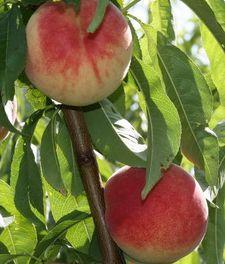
69,64
164,227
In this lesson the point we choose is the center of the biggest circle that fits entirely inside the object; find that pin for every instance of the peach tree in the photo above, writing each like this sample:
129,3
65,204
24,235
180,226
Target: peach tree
93,87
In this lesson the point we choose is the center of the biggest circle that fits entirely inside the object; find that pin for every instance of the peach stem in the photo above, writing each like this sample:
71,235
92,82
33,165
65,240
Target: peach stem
91,179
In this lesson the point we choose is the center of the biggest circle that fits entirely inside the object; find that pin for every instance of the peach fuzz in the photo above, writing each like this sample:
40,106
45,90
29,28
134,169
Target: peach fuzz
164,227
70,65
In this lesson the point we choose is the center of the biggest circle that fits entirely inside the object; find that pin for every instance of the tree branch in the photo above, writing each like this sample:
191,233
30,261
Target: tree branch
88,167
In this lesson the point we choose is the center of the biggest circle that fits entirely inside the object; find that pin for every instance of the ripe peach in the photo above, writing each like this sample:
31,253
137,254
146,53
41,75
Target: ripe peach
10,109
71,65
164,227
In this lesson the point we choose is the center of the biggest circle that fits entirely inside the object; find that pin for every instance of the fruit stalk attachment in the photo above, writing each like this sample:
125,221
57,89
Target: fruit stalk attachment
91,179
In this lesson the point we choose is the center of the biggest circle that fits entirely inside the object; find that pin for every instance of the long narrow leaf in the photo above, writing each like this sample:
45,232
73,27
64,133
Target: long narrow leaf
20,236
214,243
164,125
113,135
162,18
80,235
12,50
99,15
215,53
55,233
67,162
206,14
190,93
49,159
22,188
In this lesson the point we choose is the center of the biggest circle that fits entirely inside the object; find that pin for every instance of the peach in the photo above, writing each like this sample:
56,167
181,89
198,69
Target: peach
164,227
70,65
10,109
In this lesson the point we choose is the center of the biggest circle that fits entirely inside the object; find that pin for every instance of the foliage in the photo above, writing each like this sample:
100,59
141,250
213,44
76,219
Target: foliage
169,108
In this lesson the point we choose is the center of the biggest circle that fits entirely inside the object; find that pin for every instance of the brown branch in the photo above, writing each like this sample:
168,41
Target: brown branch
88,167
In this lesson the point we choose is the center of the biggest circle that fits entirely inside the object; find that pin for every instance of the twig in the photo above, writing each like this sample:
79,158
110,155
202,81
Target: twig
88,167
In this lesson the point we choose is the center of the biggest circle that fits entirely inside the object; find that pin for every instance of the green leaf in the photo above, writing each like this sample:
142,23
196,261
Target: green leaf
25,171
114,136
105,168
164,129
67,162
136,45
222,167
12,50
162,18
214,241
7,198
7,258
190,93
6,159
52,252
213,244
28,187
61,204
217,60
25,108
206,14
94,249
80,235
192,258
57,232
35,190
99,16
25,179
166,134
39,130
118,100
49,160
186,85
34,99
220,132
72,255
35,185
31,123
20,236
149,45
218,8
16,160
217,116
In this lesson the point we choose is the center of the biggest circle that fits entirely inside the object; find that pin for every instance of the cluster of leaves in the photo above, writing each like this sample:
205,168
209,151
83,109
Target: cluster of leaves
44,209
